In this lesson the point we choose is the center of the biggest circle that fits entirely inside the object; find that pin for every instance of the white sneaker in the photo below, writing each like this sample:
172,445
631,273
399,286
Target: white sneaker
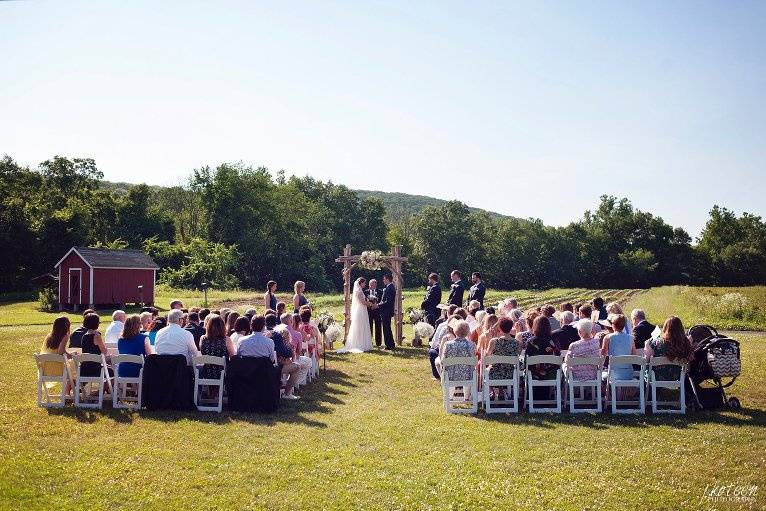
291,397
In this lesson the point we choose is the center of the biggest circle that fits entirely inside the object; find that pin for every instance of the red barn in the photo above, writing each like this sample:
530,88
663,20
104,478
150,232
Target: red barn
99,276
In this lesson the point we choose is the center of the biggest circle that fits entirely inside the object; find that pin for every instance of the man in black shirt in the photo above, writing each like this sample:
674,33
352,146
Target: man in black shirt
642,329
567,334
195,328
75,338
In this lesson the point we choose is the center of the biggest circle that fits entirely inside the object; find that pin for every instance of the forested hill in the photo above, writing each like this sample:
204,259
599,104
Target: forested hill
402,205
398,205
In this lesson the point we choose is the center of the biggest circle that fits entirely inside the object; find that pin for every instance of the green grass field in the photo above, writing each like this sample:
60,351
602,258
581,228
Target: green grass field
370,433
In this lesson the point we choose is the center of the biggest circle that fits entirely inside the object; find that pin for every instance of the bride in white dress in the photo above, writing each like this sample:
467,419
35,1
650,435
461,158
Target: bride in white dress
359,336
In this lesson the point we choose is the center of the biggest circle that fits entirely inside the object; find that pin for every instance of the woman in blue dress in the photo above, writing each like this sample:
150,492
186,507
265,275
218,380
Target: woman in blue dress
619,343
269,298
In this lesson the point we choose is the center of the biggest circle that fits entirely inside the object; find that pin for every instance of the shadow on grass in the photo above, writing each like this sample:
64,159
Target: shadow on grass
401,352
742,417
316,397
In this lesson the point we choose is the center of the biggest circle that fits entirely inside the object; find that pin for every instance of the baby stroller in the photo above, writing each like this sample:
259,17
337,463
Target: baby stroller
714,367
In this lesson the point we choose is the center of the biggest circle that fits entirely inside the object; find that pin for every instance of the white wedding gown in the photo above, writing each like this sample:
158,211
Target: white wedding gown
359,337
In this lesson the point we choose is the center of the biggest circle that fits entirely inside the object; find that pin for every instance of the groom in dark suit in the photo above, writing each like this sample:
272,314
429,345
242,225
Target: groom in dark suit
386,310
374,295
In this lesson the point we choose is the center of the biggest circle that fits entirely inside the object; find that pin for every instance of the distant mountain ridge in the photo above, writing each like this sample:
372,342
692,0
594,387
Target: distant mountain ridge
401,205
398,205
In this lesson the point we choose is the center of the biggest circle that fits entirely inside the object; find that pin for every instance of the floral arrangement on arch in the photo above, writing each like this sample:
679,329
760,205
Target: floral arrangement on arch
371,260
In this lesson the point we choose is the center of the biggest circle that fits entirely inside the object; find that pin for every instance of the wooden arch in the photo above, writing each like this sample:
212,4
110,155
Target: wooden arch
394,263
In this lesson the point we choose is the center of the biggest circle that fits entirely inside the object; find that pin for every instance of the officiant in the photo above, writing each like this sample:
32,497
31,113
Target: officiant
374,295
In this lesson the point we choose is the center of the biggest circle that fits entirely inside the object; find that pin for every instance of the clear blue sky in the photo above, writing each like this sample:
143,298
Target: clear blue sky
530,109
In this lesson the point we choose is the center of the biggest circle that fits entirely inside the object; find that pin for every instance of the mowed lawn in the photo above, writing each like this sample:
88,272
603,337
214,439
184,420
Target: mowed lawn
370,433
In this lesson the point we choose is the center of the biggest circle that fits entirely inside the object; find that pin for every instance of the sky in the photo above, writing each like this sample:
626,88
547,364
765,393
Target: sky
530,109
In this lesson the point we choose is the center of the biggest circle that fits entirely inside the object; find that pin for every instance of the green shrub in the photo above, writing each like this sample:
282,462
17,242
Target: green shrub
47,299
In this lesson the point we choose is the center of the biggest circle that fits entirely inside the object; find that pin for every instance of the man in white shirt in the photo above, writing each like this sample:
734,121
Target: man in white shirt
114,331
257,344
174,340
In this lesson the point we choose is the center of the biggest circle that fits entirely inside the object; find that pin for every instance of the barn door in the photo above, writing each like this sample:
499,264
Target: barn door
75,286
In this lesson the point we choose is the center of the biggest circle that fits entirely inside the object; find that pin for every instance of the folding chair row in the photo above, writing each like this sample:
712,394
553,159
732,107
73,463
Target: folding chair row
462,396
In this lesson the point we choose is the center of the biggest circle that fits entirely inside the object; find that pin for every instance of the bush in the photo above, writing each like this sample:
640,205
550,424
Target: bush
734,305
47,300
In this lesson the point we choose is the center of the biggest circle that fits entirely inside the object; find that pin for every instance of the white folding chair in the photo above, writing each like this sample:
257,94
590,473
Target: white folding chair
635,382
203,404
46,384
593,385
470,388
82,399
667,384
532,384
121,393
511,386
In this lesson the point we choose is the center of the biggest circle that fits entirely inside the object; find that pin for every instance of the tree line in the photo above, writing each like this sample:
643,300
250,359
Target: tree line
235,225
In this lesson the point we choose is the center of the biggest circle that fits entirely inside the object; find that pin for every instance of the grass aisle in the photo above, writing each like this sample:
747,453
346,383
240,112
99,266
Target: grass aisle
371,432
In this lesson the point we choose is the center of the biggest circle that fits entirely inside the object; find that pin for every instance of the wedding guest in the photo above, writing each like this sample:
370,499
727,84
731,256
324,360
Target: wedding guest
674,344
176,304
459,347
174,340
605,328
158,324
504,345
269,298
432,299
566,307
439,337
231,320
598,308
456,289
526,335
585,347
475,319
542,344
285,356
114,329
281,307
616,343
489,330
75,340
132,342
549,311
203,314
299,299
146,322
642,329
568,333
519,323
224,313
257,344
614,308
249,313
92,343
446,313
55,344
215,343
241,329
296,342
513,303
478,289
194,327
311,334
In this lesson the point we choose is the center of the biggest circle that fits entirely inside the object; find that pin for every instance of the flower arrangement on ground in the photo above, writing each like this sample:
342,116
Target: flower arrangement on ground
422,331
415,315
